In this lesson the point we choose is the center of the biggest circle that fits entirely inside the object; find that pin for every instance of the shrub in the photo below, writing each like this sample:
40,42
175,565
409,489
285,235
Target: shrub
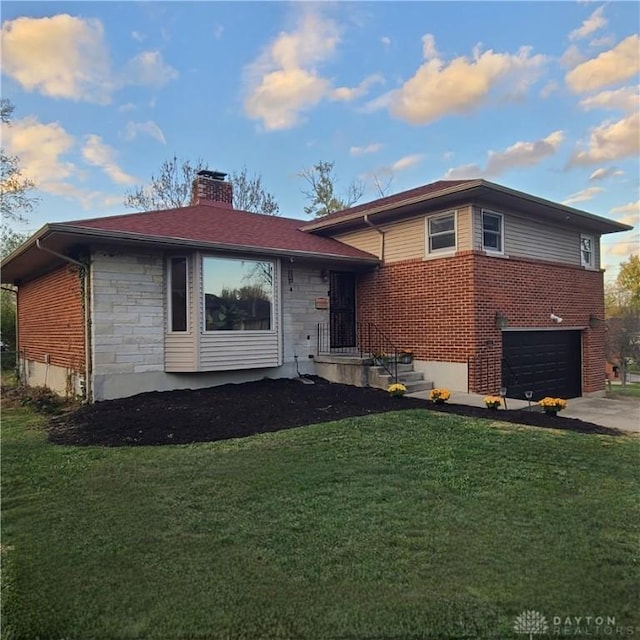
41,399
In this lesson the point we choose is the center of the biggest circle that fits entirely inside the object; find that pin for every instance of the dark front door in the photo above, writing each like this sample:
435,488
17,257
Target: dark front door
548,363
342,309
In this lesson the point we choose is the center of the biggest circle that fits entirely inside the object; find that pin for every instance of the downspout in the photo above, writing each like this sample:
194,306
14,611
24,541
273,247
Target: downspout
84,272
379,230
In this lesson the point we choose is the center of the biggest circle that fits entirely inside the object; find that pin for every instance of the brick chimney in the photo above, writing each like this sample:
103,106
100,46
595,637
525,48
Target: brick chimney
210,187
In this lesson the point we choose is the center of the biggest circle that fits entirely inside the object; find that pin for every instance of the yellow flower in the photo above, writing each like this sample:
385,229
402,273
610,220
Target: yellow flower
493,401
397,389
439,395
553,403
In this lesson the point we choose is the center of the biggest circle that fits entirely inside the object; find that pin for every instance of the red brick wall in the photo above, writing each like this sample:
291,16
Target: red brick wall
445,309
50,319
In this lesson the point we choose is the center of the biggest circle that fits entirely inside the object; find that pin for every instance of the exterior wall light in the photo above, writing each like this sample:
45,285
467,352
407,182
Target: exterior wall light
324,275
501,320
594,321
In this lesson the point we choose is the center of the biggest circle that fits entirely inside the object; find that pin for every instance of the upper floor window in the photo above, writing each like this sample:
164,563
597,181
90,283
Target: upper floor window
237,294
178,294
492,224
586,251
442,232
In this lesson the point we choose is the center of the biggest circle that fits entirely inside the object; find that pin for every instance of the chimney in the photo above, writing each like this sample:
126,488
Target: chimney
210,187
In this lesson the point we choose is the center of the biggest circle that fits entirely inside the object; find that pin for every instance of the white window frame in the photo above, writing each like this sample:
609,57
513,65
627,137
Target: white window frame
501,236
170,328
591,263
443,250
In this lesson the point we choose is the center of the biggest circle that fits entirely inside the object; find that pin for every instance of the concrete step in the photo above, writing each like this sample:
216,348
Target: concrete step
413,387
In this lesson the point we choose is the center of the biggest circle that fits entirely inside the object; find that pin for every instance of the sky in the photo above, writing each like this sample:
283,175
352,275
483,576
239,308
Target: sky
537,96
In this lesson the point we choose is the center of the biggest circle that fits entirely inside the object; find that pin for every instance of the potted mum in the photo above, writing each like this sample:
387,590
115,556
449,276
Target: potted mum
397,390
551,406
493,402
439,396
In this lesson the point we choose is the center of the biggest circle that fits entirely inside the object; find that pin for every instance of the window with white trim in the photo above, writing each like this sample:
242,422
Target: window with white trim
587,258
238,294
441,232
178,278
492,231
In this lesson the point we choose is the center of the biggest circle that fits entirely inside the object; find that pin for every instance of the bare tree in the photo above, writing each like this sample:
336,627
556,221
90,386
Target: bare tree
15,200
322,192
250,195
382,185
171,189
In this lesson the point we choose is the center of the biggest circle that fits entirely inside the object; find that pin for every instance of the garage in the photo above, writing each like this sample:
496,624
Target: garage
548,363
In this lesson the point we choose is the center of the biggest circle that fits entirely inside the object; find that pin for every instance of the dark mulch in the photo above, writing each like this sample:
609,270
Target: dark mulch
237,410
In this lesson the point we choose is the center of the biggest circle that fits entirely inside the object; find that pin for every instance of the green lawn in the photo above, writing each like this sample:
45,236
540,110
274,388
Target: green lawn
406,525
631,390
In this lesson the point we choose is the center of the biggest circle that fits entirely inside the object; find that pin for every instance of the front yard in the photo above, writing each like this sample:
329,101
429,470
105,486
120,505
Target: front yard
412,524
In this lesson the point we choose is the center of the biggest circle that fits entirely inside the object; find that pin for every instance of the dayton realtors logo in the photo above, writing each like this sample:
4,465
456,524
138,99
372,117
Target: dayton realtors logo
534,623
530,622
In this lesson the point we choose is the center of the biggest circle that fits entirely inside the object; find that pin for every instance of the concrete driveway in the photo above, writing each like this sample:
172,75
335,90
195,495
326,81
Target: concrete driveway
616,413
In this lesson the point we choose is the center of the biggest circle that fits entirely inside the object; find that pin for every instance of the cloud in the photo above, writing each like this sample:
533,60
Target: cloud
624,99
98,154
346,94
604,41
40,148
594,22
67,57
406,162
386,41
571,57
462,85
582,196
137,36
609,141
149,128
548,89
627,209
284,82
626,248
603,174
218,31
520,154
361,151
148,69
61,57
610,67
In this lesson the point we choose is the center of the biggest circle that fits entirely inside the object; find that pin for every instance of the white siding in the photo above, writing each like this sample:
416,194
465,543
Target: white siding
229,350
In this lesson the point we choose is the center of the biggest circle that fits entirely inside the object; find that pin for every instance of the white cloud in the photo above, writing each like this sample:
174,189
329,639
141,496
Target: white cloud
520,154
149,128
406,162
571,57
361,151
602,174
631,208
67,57
462,85
610,141
625,99
218,31
61,57
604,41
594,22
582,196
40,148
548,89
137,36
610,67
346,94
386,41
148,69
285,81
99,154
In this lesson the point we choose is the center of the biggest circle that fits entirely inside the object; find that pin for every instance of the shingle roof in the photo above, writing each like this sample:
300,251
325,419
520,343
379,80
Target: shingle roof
210,223
388,201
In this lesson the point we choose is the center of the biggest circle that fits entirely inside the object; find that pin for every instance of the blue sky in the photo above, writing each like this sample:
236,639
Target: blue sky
538,96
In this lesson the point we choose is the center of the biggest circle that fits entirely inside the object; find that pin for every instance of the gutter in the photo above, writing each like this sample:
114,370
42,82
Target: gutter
84,272
379,230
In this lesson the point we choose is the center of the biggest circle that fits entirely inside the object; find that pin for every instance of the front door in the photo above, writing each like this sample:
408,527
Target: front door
342,309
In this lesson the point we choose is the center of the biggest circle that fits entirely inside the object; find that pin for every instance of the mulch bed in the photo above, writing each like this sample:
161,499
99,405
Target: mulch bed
237,410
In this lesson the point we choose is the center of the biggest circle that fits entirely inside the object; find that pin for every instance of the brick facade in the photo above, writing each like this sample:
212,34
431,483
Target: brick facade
444,309
51,319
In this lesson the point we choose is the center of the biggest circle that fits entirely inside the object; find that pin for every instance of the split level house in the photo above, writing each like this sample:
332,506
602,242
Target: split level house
487,287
